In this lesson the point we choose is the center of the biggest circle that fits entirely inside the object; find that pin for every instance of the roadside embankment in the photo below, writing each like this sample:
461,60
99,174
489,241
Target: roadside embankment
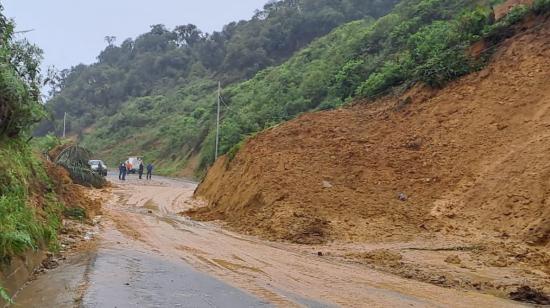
444,186
469,159
38,200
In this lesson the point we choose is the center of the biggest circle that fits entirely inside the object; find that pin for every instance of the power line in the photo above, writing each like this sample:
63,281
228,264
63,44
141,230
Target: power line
23,31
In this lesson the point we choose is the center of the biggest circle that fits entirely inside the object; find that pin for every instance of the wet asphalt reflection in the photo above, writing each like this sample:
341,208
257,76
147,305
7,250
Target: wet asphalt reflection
133,279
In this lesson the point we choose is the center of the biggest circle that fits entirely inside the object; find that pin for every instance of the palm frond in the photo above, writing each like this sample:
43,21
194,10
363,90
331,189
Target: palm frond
75,159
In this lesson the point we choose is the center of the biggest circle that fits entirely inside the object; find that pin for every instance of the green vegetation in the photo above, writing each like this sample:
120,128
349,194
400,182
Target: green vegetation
423,41
5,296
21,226
75,213
155,96
29,209
19,82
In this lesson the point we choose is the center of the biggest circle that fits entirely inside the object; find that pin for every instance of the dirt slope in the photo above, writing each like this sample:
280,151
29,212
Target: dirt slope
472,159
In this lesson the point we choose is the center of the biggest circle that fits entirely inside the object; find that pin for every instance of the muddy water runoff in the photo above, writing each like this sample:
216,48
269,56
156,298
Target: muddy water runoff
149,256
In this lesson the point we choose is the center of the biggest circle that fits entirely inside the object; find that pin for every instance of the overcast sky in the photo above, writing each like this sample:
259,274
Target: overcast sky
73,31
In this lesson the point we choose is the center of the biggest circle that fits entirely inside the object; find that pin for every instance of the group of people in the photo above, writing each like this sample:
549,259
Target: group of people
127,167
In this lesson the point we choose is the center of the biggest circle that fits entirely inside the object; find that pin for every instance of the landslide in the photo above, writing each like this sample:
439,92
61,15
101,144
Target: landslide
471,159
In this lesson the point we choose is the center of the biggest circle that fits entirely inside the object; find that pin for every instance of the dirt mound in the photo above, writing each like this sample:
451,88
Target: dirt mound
73,196
472,159
378,257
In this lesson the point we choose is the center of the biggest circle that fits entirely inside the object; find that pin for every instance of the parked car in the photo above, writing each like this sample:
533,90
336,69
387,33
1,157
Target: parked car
98,166
134,162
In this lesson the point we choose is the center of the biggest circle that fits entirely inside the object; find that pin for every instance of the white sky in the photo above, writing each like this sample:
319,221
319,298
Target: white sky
72,31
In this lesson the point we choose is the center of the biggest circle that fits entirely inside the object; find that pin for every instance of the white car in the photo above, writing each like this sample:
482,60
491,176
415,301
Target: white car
134,161
98,166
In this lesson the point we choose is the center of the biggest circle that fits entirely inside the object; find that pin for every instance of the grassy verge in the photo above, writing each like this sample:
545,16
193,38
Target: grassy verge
29,209
5,296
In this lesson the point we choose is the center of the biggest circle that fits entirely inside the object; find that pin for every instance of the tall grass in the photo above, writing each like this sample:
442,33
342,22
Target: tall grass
29,210
5,296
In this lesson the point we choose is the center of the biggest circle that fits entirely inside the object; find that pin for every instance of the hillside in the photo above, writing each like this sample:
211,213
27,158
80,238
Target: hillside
155,95
463,166
466,157
174,126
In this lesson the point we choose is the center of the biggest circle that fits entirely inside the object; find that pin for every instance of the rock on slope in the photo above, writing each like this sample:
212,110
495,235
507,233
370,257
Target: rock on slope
470,159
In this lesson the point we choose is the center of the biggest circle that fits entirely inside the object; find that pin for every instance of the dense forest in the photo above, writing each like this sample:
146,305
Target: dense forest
161,59
156,95
175,73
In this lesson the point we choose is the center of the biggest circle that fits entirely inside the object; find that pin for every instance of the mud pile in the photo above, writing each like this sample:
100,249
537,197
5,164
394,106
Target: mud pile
73,195
472,159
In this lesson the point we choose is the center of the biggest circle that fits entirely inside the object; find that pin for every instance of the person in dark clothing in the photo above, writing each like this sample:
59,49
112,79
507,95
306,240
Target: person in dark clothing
122,172
149,171
140,170
100,169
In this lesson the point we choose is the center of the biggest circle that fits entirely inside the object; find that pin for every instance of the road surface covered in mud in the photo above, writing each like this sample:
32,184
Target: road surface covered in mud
147,255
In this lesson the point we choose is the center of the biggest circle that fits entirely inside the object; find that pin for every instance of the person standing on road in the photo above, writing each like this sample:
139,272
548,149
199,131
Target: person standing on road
100,169
122,172
149,171
129,167
140,170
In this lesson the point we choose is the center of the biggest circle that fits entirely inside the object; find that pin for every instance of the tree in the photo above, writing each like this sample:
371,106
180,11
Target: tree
20,82
111,40
185,64
188,35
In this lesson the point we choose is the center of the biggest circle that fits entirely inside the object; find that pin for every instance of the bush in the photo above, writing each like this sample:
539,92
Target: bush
234,150
391,74
19,109
46,143
75,213
541,7
19,82
347,79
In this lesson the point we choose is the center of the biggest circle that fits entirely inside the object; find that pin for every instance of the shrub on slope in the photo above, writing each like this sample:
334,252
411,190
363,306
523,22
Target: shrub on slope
420,41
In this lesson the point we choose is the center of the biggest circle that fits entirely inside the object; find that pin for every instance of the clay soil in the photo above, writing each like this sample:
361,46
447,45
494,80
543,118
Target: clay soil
453,180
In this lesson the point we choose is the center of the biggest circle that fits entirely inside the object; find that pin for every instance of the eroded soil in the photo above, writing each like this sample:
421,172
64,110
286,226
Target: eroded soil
282,274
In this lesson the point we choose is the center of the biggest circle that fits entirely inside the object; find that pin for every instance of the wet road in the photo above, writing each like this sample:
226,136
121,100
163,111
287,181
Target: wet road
119,272
132,279
149,256
126,278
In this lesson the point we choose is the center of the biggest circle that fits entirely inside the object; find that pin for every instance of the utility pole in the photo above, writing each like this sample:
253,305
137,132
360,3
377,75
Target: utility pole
64,123
218,121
